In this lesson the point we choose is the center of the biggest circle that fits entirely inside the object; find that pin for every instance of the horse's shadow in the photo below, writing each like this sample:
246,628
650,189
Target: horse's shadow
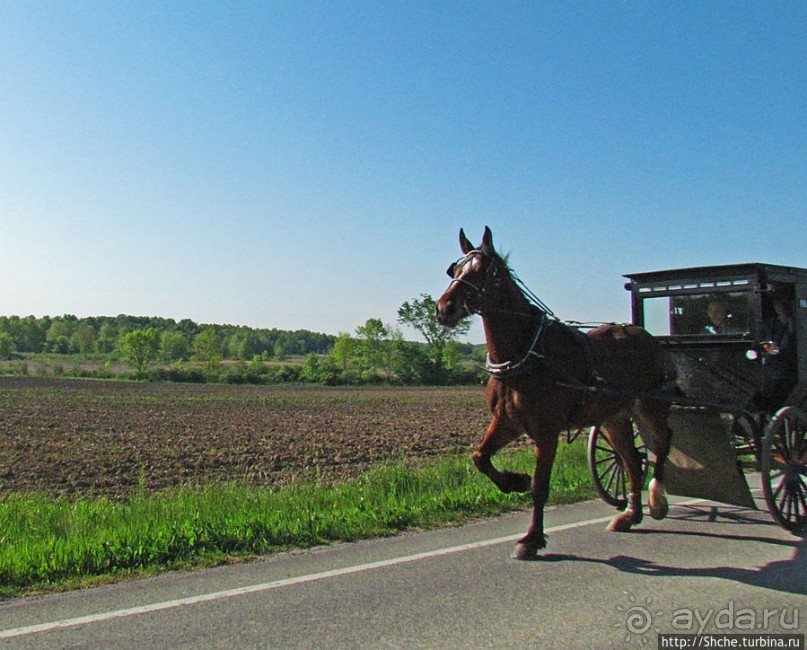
780,575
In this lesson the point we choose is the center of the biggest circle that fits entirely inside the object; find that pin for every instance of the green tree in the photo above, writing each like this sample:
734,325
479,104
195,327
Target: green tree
311,368
58,336
207,348
175,346
421,314
372,340
107,339
343,352
452,354
140,348
28,333
412,363
83,339
7,346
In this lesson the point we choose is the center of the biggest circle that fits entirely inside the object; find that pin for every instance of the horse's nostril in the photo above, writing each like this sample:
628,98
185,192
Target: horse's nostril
444,312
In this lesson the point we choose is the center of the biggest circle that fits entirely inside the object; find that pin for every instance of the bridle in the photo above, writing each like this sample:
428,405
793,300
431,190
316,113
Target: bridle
491,278
488,276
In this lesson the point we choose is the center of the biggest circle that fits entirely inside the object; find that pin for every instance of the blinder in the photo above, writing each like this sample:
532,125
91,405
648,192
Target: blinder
471,302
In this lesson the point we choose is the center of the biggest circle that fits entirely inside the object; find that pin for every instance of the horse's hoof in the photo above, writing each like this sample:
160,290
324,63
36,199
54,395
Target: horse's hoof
516,482
659,511
622,522
528,547
525,552
658,500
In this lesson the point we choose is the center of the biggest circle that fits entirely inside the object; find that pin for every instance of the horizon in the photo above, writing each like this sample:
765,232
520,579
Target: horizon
201,325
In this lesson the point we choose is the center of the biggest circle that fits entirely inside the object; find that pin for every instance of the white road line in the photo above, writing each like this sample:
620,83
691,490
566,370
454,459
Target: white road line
276,584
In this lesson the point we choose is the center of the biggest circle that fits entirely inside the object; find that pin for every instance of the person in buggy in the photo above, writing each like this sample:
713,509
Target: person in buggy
779,360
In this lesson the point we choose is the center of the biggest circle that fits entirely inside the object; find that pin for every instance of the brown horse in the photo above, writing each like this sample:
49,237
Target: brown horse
547,376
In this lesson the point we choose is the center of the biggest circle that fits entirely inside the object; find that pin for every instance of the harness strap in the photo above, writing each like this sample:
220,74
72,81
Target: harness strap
533,357
593,375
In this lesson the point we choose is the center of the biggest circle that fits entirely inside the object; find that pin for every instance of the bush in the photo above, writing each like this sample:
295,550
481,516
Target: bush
284,374
178,374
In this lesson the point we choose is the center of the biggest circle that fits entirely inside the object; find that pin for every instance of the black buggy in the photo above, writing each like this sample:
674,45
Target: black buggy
738,395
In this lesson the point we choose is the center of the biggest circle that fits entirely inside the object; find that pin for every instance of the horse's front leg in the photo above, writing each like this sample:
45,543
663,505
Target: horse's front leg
498,436
528,546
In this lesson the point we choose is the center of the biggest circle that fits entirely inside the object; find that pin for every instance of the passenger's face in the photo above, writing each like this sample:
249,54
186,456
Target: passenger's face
716,313
782,308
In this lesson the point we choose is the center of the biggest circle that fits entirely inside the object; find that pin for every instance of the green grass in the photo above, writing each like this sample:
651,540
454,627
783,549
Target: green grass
48,543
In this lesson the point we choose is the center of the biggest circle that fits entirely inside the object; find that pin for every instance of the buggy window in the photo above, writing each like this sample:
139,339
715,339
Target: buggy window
708,314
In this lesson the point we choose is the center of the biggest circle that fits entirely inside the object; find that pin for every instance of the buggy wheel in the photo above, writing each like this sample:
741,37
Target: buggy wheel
784,467
608,471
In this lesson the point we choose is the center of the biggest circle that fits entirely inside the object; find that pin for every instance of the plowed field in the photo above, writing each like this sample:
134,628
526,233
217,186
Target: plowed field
73,437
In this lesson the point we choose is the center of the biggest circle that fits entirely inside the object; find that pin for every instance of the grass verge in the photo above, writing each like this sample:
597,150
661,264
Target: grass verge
49,543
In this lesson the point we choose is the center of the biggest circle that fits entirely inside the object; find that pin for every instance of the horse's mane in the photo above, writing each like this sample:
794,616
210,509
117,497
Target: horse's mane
525,292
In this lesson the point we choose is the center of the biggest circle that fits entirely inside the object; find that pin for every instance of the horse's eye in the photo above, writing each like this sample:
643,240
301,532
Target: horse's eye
451,269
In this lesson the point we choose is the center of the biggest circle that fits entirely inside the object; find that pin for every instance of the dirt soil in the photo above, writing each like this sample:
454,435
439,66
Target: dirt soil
77,437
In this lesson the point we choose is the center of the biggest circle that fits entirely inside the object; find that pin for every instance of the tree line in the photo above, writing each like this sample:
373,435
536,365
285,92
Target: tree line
103,335
167,350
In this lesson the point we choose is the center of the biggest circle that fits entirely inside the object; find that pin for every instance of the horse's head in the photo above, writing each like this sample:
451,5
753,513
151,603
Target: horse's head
471,278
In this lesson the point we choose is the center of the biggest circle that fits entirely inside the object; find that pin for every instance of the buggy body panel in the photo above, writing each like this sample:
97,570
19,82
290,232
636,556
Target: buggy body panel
708,363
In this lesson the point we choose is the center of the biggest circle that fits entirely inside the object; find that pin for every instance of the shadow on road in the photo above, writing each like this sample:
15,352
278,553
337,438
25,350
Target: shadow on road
781,575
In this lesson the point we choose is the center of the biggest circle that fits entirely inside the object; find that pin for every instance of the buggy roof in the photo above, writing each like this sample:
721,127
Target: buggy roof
754,271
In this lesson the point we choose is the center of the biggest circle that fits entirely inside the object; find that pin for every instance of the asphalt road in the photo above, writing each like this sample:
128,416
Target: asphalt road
725,570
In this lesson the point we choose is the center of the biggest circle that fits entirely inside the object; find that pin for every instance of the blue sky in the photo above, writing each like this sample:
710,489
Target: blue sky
309,164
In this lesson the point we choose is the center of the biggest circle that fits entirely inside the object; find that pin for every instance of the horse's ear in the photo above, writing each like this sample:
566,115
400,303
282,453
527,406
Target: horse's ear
465,245
487,239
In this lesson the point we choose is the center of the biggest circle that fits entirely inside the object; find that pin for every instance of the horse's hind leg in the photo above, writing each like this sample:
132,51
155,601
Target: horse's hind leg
654,416
497,437
620,434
